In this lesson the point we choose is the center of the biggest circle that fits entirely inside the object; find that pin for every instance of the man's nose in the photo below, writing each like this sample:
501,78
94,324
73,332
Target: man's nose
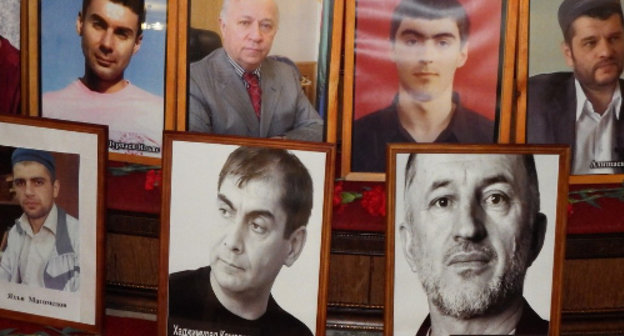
605,48
29,188
107,40
233,240
469,224
256,32
427,52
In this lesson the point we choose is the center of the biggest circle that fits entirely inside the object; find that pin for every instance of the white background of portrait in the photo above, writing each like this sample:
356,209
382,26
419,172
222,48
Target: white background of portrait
10,21
410,300
194,174
299,32
81,305
545,38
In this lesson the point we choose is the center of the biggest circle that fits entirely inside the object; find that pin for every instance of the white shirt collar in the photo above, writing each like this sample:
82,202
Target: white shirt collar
581,100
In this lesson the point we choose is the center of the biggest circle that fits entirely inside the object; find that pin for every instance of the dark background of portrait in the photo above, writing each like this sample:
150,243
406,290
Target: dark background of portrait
376,80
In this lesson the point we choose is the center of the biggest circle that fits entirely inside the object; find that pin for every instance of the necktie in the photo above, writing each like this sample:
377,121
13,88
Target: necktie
254,91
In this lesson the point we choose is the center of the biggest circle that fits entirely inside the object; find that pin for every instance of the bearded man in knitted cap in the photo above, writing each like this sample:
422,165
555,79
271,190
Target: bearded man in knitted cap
43,245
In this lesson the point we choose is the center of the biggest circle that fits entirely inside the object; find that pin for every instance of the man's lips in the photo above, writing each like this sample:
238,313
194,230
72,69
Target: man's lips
425,73
230,264
469,259
104,61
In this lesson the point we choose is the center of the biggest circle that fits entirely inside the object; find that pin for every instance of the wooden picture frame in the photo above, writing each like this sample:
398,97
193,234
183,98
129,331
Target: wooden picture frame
371,79
318,65
54,59
79,151
542,44
405,309
192,160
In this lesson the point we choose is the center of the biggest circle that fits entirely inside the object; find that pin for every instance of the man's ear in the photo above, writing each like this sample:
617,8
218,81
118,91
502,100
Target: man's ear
463,55
407,239
56,187
539,233
297,240
566,49
79,22
137,44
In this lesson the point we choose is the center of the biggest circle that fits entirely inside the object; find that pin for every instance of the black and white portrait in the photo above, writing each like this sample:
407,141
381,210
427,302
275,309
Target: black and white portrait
474,243
245,239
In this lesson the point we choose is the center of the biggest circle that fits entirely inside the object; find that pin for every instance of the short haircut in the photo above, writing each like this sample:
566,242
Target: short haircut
136,6
256,163
529,165
570,10
431,10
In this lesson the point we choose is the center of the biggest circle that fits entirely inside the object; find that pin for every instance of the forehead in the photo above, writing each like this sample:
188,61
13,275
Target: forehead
113,11
426,27
261,9
462,168
585,26
29,169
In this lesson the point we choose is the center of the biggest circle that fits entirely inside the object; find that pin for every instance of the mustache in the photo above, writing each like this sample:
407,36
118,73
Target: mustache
469,250
606,62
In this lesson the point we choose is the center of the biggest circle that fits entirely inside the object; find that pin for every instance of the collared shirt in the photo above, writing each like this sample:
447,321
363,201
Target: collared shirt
37,248
595,140
240,71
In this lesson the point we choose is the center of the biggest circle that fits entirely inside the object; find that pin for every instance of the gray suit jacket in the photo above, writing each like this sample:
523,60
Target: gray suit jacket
551,112
219,103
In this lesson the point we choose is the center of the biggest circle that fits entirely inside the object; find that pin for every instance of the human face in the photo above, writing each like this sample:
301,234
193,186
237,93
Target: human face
110,37
426,54
596,51
251,249
34,190
248,28
467,233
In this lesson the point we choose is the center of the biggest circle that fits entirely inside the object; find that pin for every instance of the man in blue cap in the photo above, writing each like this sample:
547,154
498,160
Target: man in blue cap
583,108
43,245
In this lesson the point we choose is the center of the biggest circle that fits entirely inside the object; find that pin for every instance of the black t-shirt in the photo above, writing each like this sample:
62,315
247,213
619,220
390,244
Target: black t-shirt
195,310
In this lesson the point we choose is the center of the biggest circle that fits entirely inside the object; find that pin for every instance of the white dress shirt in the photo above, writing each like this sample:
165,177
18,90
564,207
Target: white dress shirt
595,133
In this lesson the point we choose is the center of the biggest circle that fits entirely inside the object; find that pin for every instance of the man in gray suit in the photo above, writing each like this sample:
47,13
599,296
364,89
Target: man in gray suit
238,90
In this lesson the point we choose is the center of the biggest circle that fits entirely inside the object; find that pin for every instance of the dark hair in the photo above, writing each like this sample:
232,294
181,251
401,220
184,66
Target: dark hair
529,165
601,13
431,10
253,163
136,6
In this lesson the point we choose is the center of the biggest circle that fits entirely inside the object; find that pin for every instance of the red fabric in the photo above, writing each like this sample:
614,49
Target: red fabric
129,192
117,326
9,78
254,91
584,218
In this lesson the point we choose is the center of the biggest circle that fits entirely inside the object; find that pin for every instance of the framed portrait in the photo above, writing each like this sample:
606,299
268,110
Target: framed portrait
52,222
454,213
307,39
107,68
394,62
255,216
547,103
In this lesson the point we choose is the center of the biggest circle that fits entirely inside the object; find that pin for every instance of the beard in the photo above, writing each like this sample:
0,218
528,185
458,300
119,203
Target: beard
469,299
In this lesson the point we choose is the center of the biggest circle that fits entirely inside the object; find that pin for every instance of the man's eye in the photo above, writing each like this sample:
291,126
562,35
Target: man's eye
441,202
225,213
496,200
19,183
257,228
443,43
